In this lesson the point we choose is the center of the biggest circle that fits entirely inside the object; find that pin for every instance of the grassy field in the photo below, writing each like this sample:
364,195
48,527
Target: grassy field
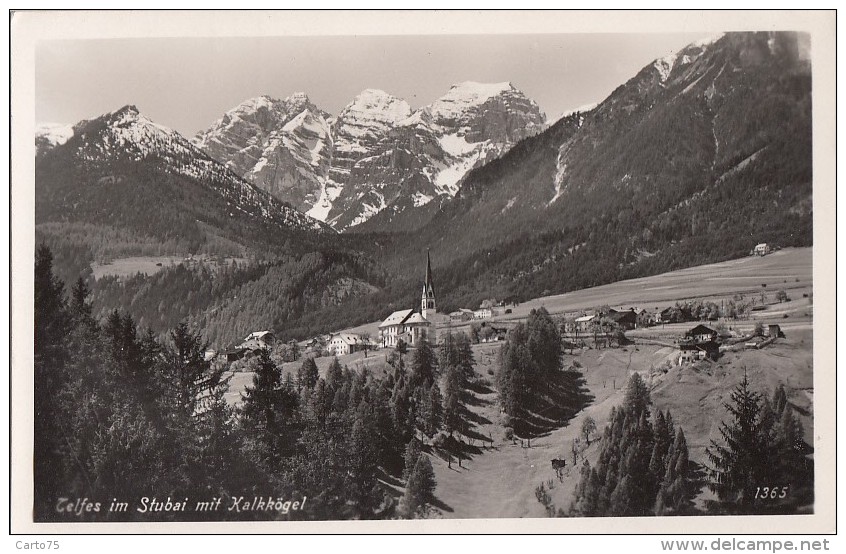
150,265
790,269
126,267
375,362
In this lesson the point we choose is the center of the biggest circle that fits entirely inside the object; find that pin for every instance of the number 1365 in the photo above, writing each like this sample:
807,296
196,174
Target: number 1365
771,493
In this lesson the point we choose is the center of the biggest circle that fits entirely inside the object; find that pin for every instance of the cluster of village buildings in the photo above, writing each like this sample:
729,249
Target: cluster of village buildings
412,326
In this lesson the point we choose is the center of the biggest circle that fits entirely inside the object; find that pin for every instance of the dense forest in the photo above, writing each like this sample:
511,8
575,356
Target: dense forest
121,416
643,467
760,465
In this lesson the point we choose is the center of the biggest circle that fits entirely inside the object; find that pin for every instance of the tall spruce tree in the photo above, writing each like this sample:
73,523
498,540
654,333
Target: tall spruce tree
334,374
739,465
453,404
420,488
308,375
412,453
424,365
268,413
674,496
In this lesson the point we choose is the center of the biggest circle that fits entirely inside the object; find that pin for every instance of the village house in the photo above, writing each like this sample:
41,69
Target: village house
585,323
461,314
761,249
315,346
483,313
258,340
347,343
409,326
495,334
645,318
702,333
626,320
699,343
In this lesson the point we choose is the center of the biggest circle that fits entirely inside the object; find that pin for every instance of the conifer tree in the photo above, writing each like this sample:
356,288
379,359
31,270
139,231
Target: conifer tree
739,465
434,410
420,488
453,405
466,360
52,323
334,375
412,453
675,492
637,399
268,411
308,375
364,462
423,365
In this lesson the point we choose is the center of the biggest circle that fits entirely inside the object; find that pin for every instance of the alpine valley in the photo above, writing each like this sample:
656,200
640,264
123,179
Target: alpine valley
304,222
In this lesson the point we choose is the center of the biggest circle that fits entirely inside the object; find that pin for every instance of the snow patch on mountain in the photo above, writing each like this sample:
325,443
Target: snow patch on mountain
329,192
48,135
456,144
665,66
463,96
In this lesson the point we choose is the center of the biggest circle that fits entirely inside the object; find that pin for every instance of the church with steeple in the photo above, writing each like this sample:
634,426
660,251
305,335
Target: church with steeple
408,325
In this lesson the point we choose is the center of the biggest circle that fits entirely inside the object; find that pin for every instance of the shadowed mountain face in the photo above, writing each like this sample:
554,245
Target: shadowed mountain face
123,173
377,153
697,158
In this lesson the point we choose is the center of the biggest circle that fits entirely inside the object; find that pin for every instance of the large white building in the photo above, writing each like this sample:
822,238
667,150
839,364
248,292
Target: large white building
407,325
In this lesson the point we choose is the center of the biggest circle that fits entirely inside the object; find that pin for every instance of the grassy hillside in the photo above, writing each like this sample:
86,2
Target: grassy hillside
499,475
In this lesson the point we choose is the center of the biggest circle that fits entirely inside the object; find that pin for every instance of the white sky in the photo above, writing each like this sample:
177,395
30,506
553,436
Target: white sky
187,83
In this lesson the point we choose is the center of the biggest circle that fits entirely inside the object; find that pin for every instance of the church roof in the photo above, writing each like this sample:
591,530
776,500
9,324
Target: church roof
396,318
416,318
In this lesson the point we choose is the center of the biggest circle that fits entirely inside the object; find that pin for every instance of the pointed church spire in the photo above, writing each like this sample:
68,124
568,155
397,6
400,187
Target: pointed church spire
427,302
429,284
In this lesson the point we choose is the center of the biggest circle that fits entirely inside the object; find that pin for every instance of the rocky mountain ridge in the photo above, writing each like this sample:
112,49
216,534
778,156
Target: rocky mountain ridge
376,153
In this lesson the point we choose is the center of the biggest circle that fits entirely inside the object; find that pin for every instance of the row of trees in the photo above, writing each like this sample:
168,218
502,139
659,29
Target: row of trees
529,360
761,465
643,465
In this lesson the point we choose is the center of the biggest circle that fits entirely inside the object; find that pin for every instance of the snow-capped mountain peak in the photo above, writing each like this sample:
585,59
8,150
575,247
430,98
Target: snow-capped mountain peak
377,105
377,151
117,141
665,65
466,95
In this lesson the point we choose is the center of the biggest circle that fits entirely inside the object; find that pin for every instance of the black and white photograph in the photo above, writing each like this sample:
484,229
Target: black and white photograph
558,276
